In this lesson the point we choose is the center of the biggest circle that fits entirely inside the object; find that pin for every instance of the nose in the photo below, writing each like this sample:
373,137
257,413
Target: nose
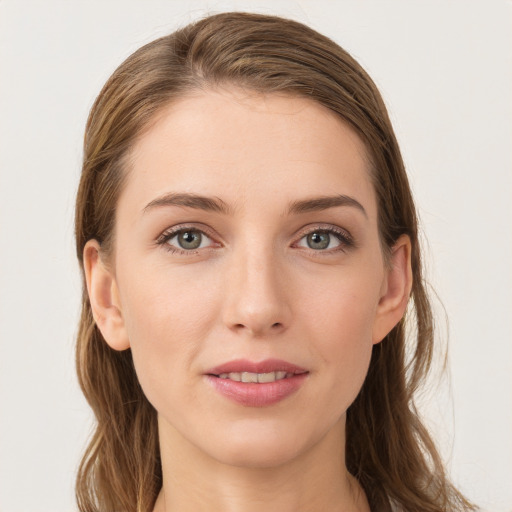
256,297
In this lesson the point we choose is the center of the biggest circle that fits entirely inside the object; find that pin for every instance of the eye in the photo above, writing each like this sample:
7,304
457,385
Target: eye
325,239
185,240
319,240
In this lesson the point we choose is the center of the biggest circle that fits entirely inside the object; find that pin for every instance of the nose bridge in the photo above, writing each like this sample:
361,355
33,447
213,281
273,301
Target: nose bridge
256,300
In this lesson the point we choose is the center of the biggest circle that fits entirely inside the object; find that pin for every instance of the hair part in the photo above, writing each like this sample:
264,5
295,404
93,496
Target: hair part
388,449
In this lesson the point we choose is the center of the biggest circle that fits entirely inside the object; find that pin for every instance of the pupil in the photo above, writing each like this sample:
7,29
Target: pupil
189,239
318,240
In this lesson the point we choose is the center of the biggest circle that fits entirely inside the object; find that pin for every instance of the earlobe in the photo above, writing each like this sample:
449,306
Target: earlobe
396,290
102,290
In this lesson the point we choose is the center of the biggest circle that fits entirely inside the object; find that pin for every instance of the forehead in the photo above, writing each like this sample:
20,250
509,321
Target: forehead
244,146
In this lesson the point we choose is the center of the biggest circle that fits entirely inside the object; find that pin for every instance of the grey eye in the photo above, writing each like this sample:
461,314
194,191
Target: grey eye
189,239
318,240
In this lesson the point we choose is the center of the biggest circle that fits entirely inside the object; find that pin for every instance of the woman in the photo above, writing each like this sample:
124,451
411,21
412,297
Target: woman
249,245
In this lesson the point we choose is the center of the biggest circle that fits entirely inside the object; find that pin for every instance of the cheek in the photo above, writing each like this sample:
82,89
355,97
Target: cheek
344,306
167,315
168,303
341,320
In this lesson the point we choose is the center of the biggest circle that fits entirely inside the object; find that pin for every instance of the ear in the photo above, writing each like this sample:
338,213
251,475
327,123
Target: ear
104,298
395,291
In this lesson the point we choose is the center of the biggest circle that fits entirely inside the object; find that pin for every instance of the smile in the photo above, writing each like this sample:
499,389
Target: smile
256,384
256,377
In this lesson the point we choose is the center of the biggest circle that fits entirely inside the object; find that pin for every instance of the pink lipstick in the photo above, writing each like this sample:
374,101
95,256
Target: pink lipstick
257,384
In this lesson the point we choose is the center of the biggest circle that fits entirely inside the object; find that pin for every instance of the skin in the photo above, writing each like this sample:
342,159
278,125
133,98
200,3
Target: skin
253,290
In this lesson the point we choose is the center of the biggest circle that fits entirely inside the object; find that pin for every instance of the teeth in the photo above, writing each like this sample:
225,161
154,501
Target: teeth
249,377
268,377
255,377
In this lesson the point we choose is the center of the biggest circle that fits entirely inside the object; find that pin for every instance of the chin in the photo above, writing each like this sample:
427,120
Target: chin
261,448
267,457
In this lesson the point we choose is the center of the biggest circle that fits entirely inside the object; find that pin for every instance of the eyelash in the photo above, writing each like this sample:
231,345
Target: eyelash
344,237
169,234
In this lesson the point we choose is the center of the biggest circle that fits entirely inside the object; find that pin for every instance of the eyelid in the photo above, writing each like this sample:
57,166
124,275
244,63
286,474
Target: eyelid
346,239
171,232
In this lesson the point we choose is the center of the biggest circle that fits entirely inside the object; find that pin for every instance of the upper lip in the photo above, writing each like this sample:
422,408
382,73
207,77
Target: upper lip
266,366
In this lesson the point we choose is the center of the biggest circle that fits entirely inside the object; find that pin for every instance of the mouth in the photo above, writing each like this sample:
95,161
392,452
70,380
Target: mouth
257,384
269,370
260,378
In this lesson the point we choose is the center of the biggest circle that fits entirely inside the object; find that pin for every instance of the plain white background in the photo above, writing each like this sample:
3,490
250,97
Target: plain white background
445,71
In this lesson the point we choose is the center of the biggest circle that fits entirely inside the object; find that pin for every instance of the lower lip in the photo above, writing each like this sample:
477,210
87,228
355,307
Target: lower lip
257,395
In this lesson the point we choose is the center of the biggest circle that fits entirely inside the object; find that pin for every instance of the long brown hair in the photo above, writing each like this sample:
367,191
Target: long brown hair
388,449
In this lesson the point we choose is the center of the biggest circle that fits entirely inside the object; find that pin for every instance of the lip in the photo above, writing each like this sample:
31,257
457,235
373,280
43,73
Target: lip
257,394
266,366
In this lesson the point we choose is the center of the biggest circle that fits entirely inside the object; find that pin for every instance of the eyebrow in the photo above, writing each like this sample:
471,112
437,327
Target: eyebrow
213,204
217,205
325,202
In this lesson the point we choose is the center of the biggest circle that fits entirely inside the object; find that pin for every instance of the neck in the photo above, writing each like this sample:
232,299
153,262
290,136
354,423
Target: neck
317,480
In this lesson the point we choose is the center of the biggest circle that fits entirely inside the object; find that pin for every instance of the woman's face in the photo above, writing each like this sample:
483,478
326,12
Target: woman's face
247,248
